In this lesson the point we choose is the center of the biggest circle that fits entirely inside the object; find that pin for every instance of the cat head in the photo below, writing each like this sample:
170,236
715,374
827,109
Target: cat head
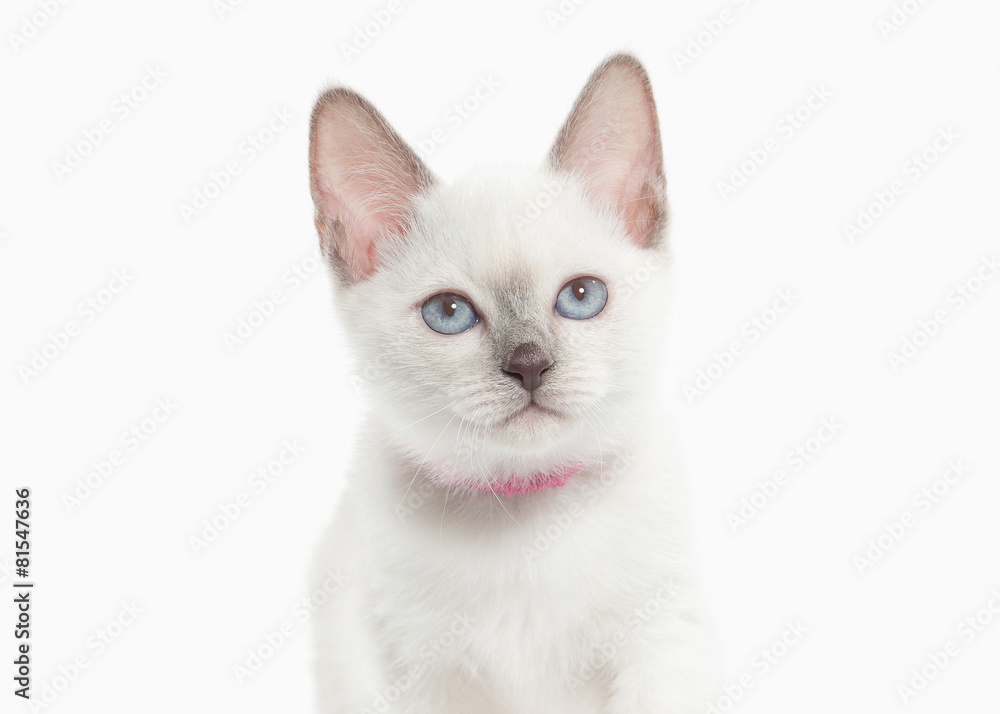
507,323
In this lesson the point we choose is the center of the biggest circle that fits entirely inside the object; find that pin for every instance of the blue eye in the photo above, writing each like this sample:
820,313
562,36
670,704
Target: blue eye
449,314
582,298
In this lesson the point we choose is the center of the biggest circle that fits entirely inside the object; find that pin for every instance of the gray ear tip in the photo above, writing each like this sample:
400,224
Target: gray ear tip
624,58
338,92
622,70
326,101
332,97
624,61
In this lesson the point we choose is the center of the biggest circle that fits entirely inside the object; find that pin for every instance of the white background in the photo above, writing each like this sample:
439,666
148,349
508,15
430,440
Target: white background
64,234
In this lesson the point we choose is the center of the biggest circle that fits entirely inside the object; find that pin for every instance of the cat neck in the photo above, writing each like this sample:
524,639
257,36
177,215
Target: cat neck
518,485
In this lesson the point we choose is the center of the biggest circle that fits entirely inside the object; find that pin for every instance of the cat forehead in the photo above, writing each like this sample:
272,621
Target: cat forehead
508,222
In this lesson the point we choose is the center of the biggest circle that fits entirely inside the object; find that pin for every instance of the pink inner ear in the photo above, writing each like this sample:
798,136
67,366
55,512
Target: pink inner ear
612,143
364,179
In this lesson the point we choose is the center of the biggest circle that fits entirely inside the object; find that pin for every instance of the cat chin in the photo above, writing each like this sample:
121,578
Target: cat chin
530,423
540,434
528,442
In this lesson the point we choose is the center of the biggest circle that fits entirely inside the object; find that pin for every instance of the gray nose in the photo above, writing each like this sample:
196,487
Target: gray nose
526,363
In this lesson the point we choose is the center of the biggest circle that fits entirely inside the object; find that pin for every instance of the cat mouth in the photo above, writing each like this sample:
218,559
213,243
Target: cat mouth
532,411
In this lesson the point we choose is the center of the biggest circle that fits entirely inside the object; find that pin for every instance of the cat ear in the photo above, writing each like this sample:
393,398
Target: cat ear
363,178
611,142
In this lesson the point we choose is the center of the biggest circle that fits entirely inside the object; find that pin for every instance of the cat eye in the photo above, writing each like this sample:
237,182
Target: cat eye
582,298
449,314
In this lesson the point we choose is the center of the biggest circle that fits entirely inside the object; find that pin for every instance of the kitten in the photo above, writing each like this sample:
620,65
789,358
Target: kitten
510,539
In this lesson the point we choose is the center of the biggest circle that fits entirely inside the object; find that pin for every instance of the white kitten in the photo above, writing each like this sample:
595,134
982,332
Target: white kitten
510,538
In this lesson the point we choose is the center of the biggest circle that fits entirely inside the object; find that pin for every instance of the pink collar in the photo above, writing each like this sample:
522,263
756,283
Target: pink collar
536,482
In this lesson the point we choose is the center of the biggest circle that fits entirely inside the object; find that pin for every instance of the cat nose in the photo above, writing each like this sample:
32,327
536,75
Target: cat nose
527,362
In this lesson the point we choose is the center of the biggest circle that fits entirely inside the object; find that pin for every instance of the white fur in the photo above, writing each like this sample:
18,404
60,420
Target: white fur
541,593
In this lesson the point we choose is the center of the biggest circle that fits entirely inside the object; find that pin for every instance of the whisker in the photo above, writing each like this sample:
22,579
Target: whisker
417,472
607,431
400,431
443,509
482,470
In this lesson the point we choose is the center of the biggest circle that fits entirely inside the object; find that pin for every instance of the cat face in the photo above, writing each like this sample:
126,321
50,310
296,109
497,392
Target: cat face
510,318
